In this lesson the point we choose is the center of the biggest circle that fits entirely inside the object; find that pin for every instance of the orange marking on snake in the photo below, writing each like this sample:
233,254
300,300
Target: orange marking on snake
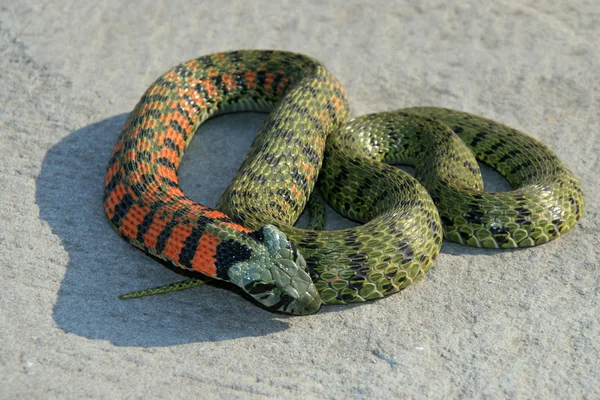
176,138
149,123
166,172
130,155
177,240
237,227
207,85
181,120
144,168
134,217
156,227
114,198
296,192
195,210
144,144
191,92
187,107
112,171
228,81
136,177
172,76
169,154
205,256
215,214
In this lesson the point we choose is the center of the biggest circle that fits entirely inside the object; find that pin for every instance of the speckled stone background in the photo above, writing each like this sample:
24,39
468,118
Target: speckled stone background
516,324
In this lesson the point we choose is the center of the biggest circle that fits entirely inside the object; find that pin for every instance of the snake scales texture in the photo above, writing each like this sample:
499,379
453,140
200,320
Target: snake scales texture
249,239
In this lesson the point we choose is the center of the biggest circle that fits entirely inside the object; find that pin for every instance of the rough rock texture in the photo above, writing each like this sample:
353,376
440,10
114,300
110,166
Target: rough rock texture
512,324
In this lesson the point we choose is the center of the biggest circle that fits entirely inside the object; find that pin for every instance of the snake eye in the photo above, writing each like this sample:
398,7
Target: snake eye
258,287
286,297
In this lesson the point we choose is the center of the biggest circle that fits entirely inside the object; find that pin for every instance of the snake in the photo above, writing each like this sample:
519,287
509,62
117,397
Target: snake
249,238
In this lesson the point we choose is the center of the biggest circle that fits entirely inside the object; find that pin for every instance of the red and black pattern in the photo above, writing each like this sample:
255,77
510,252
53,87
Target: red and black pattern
142,197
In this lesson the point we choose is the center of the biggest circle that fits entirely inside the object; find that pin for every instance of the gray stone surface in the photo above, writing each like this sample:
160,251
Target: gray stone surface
516,324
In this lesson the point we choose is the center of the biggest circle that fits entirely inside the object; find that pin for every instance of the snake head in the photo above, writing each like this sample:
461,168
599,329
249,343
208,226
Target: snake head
276,275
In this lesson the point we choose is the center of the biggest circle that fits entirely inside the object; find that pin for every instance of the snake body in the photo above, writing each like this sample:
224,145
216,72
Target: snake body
250,240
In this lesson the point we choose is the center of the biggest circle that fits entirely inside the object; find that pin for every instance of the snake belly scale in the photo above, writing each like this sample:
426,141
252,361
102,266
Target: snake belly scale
249,239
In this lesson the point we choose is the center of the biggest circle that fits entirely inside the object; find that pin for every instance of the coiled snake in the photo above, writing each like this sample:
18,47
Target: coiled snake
249,239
